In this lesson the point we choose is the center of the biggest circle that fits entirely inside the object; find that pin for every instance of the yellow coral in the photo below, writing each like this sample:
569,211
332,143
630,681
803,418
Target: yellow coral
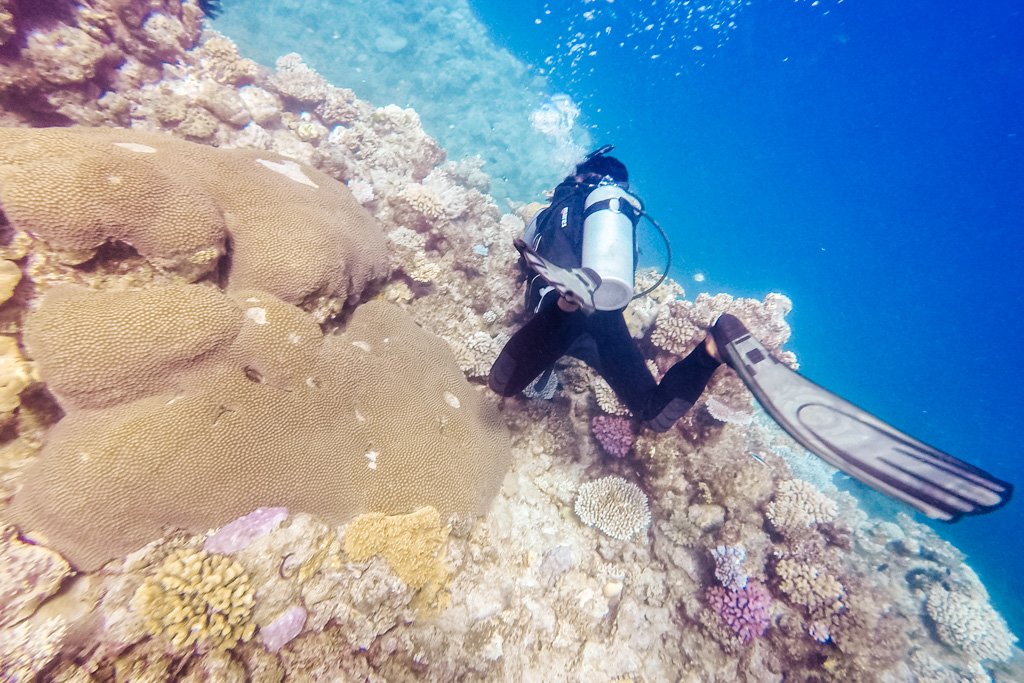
15,374
811,587
10,276
196,598
413,545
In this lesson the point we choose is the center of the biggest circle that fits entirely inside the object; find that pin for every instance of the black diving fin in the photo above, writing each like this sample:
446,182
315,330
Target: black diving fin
575,284
855,441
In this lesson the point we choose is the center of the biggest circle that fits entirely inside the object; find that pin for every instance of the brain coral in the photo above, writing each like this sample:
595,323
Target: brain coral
269,413
291,230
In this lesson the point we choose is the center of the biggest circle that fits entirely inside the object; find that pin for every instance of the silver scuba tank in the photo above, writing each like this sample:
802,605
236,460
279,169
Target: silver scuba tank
610,215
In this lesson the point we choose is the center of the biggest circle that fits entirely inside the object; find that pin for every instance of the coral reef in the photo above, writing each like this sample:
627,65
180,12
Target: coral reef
283,480
797,505
969,625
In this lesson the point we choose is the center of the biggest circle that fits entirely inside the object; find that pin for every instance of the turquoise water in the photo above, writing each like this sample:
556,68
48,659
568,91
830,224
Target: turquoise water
864,158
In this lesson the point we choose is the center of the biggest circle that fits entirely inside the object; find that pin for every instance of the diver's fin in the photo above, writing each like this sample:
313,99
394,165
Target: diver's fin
854,441
575,284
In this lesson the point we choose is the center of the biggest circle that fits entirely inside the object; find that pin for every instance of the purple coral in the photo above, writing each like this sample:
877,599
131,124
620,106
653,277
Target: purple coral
745,611
615,434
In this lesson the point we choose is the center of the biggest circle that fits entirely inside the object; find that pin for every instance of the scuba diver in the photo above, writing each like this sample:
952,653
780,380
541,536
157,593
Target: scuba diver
579,255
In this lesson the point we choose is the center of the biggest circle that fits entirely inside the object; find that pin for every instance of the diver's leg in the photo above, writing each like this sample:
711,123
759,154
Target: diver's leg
681,386
620,362
535,347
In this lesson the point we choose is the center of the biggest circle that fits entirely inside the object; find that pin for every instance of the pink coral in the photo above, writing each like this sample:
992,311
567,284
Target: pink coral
615,434
238,534
284,628
745,611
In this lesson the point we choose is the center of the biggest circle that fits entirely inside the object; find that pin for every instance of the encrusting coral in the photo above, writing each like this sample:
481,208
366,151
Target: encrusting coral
412,545
268,412
195,598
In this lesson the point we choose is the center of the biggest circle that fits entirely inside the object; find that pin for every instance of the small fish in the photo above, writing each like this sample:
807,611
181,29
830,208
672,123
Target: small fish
757,457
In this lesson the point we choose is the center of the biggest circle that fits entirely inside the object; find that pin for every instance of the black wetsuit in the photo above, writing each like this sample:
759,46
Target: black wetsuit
600,339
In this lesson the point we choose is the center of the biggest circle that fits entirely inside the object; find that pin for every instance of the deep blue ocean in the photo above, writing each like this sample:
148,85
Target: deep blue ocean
866,158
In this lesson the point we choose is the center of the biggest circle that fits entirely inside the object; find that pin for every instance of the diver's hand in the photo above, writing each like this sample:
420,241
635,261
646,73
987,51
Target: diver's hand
567,305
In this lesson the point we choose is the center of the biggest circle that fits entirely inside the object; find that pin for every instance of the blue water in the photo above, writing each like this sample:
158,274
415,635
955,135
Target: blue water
865,158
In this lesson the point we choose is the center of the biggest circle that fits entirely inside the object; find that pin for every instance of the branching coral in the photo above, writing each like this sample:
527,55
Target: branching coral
615,506
681,324
746,611
729,569
615,434
195,598
818,592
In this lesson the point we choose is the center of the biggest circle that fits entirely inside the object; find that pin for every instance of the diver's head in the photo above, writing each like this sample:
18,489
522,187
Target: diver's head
599,165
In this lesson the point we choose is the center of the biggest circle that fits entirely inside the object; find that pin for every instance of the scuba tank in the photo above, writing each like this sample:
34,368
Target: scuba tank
610,216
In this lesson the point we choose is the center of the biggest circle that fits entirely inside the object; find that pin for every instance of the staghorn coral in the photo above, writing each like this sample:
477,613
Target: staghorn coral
294,232
798,505
197,598
378,418
614,506
969,624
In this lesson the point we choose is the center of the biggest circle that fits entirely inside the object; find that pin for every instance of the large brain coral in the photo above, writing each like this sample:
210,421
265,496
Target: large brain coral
259,409
251,218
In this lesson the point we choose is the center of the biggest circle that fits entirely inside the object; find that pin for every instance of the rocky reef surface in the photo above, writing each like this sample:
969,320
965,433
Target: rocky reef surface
244,434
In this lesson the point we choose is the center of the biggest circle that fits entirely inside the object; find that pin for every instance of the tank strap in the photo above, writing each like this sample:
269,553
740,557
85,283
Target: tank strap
615,204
